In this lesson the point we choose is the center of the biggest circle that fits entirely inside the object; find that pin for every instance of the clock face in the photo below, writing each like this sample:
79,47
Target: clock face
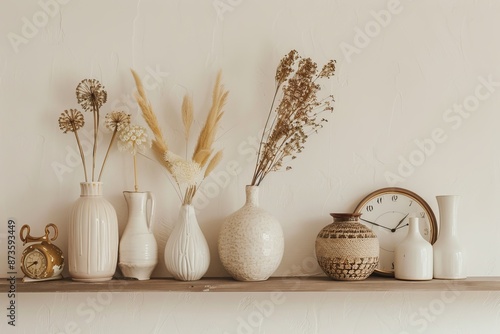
34,264
386,212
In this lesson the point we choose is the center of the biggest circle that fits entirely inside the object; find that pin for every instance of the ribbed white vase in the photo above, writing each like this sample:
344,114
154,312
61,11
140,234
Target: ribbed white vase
449,255
93,236
187,255
251,241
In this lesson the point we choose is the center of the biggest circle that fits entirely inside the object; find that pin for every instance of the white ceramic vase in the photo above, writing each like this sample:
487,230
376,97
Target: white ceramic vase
138,251
187,255
413,257
93,236
251,242
449,256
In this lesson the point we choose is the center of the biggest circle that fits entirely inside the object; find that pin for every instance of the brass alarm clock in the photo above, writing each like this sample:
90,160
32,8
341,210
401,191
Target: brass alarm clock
43,260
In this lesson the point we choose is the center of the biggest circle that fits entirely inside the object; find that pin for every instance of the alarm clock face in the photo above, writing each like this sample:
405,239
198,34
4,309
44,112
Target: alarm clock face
34,264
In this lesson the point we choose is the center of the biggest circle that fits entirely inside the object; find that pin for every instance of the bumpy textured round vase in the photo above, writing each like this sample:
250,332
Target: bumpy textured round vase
93,236
449,255
251,242
138,251
347,250
413,259
187,255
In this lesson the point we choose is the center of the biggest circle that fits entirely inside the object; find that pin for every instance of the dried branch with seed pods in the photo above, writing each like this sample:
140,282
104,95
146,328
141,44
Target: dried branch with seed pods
296,116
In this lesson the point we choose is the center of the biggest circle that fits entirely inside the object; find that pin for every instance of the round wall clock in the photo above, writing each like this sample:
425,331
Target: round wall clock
386,212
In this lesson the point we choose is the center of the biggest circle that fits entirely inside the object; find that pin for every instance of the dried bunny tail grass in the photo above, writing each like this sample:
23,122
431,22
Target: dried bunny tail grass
213,163
187,115
202,155
207,134
159,144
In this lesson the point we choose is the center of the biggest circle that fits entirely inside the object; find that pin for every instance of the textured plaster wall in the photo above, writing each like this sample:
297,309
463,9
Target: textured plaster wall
417,93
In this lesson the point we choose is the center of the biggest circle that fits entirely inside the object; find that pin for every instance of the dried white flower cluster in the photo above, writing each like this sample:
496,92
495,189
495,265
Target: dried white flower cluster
133,138
187,172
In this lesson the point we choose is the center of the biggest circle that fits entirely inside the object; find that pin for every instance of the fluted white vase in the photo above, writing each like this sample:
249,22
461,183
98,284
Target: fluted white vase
138,251
187,255
93,236
251,242
449,255
413,257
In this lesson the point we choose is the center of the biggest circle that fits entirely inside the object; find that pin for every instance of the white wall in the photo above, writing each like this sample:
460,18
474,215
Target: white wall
421,63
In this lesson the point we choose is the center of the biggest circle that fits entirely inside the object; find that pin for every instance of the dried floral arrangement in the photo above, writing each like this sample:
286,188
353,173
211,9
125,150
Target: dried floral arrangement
188,174
297,115
133,138
90,94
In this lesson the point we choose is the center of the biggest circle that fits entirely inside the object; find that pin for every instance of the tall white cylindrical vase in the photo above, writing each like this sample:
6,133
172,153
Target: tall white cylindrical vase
449,255
93,236
413,257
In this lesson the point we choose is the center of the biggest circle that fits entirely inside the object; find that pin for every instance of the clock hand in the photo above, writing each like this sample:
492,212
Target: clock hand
394,229
376,224
402,226
36,262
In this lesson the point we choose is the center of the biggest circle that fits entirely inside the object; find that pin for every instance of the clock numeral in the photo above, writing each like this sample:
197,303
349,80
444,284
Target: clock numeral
426,231
422,214
411,202
394,198
369,208
392,265
379,200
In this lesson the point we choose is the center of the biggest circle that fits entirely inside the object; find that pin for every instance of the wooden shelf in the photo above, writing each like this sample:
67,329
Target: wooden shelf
284,284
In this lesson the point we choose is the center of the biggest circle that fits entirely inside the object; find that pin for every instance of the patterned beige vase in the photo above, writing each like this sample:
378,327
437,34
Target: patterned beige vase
347,250
251,242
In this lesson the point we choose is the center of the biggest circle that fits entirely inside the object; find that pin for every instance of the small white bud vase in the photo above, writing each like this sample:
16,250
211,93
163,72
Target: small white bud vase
413,257
187,255
251,241
138,251
93,236
449,256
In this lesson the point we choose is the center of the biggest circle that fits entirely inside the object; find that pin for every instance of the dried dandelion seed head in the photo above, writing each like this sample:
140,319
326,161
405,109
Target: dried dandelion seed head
185,172
133,138
90,94
71,120
117,120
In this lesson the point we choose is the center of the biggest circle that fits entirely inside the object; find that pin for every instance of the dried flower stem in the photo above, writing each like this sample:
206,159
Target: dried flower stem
258,174
136,186
107,153
95,112
81,153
